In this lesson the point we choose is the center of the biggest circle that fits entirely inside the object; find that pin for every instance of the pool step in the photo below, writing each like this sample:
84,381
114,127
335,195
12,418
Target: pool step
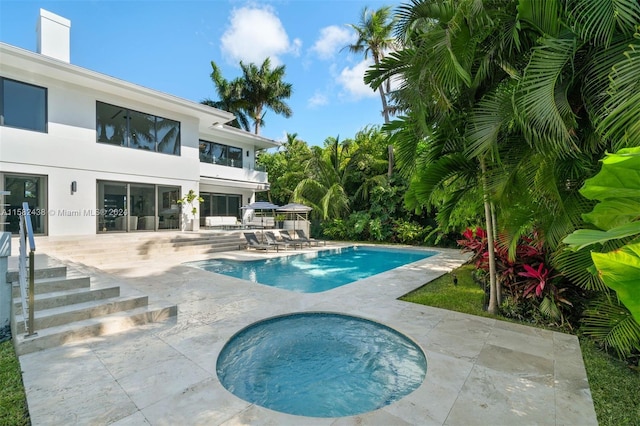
72,307
93,327
120,249
55,299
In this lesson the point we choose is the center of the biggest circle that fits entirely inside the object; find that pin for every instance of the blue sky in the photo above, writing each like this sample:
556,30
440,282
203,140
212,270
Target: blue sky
168,45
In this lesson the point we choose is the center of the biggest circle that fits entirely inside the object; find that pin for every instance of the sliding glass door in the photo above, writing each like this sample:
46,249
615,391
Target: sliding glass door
220,205
21,188
112,207
142,206
128,207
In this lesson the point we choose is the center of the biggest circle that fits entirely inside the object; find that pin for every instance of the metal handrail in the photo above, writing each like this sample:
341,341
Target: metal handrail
27,295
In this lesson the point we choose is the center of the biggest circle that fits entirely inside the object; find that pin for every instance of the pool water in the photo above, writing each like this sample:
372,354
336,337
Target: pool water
321,365
318,271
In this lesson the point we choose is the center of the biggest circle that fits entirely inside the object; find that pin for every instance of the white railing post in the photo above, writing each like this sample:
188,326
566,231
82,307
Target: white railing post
6,297
27,295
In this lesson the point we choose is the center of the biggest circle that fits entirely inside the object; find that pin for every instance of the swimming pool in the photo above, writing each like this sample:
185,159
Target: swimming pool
318,271
321,364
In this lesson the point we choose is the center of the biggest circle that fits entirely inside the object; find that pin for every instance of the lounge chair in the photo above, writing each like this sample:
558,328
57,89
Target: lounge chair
286,237
273,241
252,242
303,237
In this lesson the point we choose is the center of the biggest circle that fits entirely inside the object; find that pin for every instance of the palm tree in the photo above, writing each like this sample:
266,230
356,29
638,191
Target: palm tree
286,168
230,97
324,187
375,37
262,89
508,98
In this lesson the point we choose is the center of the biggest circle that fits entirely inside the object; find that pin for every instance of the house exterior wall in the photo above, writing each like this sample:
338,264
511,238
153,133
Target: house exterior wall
69,152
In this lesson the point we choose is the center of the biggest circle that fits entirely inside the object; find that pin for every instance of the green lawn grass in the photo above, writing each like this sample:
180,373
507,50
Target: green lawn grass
466,296
13,402
615,388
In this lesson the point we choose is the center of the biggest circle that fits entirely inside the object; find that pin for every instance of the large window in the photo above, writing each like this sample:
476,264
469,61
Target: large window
219,205
217,153
21,188
23,105
120,126
127,207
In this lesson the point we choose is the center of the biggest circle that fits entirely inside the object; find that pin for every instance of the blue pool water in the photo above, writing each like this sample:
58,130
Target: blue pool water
316,272
321,365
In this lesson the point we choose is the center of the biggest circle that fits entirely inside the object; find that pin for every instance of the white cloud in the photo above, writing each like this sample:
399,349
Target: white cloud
318,99
331,40
352,81
255,33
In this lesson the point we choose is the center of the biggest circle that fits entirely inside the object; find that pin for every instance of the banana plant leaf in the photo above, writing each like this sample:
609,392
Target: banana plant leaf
617,187
586,237
620,271
611,213
618,178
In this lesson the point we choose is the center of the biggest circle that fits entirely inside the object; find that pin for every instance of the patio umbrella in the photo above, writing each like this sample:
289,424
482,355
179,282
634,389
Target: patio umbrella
261,205
296,209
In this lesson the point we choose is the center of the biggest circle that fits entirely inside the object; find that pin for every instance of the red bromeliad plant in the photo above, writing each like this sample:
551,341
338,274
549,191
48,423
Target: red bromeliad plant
526,276
475,241
538,279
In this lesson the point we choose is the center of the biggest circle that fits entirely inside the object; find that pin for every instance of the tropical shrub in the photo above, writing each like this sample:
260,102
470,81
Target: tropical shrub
527,279
407,232
614,243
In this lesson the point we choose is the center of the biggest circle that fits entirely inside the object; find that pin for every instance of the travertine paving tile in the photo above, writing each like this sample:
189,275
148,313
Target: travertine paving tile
480,371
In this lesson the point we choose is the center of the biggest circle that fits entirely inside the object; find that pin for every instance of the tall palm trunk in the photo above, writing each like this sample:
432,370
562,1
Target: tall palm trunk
493,297
494,222
385,113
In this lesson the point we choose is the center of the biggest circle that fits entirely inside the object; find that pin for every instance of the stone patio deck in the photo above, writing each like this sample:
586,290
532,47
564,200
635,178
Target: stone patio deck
480,371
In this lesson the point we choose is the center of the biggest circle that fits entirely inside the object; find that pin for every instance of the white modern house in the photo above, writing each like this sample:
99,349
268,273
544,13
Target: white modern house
94,154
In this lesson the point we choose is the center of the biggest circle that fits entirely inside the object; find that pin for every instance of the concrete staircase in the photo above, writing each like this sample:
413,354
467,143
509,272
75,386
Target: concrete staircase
106,251
70,306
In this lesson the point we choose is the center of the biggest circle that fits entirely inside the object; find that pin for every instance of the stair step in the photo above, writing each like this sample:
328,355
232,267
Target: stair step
49,285
81,311
40,273
93,327
69,297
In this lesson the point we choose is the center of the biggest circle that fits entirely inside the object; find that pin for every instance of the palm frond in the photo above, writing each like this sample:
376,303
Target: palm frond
441,172
407,134
622,109
595,85
596,21
550,309
577,266
541,96
490,116
611,324
543,16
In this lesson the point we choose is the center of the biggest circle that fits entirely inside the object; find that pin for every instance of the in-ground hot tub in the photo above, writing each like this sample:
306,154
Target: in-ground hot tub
321,365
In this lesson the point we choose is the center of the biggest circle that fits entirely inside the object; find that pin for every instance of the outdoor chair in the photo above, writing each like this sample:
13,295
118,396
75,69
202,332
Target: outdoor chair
272,240
303,237
286,237
252,242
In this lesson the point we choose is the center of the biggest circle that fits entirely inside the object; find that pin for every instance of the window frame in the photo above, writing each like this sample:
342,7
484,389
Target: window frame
129,130
226,161
3,106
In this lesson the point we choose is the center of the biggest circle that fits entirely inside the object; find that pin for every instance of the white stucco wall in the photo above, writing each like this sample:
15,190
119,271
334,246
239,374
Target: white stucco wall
69,150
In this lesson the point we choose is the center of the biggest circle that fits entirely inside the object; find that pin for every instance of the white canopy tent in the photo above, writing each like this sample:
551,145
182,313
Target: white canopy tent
259,206
299,212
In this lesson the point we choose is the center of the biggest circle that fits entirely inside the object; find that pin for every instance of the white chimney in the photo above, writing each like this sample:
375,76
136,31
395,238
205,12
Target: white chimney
54,36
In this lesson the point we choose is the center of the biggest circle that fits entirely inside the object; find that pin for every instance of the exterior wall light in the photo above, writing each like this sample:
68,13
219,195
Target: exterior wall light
74,186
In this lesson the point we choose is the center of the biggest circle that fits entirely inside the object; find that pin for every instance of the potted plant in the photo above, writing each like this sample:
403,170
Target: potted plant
189,208
280,221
